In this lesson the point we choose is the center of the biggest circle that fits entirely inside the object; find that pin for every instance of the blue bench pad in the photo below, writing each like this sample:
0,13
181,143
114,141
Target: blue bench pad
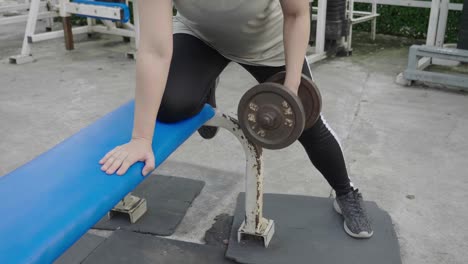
50,202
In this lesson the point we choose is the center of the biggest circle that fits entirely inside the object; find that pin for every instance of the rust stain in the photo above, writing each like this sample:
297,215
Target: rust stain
234,121
257,166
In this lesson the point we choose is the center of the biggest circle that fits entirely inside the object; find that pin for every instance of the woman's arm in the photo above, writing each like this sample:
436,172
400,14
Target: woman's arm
296,32
153,61
152,67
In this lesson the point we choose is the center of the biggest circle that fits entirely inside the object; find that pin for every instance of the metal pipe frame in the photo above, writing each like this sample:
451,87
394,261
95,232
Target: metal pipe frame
442,23
364,18
254,225
15,7
349,39
361,16
415,73
136,24
319,49
433,23
56,34
436,29
420,57
23,18
64,8
26,55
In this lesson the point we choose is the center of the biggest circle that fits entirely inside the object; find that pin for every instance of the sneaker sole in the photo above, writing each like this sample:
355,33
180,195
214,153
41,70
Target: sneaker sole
363,234
208,132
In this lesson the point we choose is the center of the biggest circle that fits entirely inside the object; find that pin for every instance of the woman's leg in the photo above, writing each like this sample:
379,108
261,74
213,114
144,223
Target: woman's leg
193,72
325,153
319,141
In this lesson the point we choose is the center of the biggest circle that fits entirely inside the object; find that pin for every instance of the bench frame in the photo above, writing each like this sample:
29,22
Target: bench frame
254,225
415,71
421,56
17,13
64,9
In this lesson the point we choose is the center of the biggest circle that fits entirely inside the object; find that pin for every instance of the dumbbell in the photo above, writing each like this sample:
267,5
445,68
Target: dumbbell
273,117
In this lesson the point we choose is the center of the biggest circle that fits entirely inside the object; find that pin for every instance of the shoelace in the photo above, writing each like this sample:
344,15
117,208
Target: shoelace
356,211
354,207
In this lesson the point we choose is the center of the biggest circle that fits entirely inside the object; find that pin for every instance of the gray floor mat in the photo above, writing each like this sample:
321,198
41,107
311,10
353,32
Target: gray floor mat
168,199
80,250
127,247
308,230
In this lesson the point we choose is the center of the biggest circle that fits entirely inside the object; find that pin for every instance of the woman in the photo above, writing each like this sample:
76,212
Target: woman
180,58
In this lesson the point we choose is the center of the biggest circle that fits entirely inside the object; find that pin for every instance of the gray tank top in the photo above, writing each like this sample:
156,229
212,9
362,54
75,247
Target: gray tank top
245,31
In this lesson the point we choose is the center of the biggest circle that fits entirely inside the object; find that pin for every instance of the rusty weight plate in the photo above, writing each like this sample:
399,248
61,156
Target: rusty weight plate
309,94
271,116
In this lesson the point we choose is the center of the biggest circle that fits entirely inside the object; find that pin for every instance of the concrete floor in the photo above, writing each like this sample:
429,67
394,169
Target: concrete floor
406,148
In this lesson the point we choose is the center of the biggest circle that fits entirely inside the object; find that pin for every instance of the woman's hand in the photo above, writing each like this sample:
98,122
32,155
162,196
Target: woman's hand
122,157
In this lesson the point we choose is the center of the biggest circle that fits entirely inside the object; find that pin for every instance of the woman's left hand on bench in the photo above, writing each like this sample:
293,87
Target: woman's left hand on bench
122,157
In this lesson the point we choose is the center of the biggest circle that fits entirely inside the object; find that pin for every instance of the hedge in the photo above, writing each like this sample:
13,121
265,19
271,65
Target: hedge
408,21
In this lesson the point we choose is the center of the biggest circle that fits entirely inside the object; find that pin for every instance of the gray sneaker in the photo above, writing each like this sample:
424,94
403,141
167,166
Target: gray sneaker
351,207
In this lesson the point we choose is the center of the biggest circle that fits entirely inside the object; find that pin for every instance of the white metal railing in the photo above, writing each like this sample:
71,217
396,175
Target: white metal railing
433,37
410,3
19,9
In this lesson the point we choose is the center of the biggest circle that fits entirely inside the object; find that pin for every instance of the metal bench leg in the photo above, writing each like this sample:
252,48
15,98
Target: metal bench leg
254,225
374,21
135,207
26,55
67,33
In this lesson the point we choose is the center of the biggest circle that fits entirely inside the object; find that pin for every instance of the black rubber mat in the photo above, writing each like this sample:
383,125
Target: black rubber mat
308,230
218,234
125,247
80,250
168,199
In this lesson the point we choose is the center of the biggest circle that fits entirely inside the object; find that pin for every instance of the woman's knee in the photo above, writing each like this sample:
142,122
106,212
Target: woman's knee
176,108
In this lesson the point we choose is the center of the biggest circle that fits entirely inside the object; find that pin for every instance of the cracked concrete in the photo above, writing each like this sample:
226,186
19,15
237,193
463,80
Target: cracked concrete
399,142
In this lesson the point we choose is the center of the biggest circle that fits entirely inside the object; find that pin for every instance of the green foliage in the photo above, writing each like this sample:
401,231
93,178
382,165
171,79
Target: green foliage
78,21
408,21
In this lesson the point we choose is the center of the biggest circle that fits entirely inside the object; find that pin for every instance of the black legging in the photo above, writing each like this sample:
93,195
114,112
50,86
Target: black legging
193,72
